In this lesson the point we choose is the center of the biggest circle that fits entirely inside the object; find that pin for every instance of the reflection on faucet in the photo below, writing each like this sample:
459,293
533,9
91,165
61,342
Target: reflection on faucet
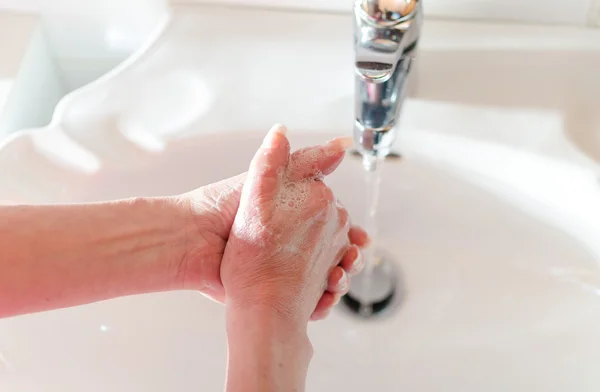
386,33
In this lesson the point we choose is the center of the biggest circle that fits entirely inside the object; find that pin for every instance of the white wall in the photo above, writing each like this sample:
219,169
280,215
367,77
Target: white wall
21,5
594,16
575,12
578,12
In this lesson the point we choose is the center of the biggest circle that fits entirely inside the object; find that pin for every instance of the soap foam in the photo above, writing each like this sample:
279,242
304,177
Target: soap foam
307,162
292,195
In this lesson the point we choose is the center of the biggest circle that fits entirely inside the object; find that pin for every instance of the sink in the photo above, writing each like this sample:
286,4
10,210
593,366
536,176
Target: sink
491,291
495,236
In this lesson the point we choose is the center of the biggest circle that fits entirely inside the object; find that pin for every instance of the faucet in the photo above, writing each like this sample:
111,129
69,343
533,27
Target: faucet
386,33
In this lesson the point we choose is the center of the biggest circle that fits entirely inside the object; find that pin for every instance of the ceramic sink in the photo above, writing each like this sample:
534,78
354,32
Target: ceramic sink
495,234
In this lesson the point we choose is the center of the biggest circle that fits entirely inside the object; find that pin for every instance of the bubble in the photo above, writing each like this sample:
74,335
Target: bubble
307,162
292,195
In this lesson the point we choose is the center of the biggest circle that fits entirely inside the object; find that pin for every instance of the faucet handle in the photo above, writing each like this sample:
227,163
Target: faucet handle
385,31
386,12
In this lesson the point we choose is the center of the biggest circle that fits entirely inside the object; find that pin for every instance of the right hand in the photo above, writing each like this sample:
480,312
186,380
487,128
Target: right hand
289,233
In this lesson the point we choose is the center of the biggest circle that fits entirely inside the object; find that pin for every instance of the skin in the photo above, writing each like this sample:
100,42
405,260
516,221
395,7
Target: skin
214,208
280,251
56,256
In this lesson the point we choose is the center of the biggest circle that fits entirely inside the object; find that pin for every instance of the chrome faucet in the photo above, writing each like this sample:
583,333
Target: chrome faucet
386,33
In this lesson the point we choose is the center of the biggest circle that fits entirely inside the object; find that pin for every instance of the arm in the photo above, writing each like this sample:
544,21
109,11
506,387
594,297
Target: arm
66,255
267,352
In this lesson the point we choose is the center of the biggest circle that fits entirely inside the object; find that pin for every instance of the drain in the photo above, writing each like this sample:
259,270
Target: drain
375,294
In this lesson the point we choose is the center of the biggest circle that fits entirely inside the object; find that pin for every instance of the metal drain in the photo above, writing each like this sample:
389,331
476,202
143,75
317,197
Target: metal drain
377,294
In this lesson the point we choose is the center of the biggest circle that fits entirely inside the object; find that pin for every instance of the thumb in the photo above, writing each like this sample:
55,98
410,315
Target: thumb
274,153
271,159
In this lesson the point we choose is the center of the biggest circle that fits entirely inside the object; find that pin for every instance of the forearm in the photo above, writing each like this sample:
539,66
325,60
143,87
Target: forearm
66,255
266,353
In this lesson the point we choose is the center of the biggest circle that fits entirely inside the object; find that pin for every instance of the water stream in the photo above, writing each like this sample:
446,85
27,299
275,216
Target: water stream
373,172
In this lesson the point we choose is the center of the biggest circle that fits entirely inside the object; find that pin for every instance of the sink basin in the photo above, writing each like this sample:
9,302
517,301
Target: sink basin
492,292
496,235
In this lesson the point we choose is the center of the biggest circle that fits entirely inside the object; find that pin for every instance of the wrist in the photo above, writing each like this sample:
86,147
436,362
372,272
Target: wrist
267,352
285,324
199,266
166,222
281,298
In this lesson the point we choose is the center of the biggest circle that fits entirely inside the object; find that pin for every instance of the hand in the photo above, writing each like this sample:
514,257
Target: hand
290,233
212,212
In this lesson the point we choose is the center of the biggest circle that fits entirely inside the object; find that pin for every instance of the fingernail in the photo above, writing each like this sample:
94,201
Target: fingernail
336,299
357,264
343,282
340,143
368,241
275,131
279,128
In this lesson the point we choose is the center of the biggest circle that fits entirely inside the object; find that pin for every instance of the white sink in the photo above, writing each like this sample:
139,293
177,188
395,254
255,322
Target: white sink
496,235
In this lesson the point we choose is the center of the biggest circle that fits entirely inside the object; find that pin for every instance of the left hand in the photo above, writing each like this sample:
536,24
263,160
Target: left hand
212,211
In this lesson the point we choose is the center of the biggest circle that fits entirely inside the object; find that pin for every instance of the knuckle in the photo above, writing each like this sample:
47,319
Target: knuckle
328,195
344,218
320,186
324,194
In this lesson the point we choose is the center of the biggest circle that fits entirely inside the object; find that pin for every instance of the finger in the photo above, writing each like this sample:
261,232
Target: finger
359,237
318,161
344,219
353,261
324,194
338,282
326,303
273,156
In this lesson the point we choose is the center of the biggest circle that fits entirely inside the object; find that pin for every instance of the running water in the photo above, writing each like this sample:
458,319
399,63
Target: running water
374,290
373,169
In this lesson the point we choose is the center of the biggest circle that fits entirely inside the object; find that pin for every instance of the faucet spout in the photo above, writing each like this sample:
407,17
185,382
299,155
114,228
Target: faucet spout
386,34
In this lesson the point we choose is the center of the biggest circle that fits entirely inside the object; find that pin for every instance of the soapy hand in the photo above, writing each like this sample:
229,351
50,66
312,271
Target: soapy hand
214,208
290,233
